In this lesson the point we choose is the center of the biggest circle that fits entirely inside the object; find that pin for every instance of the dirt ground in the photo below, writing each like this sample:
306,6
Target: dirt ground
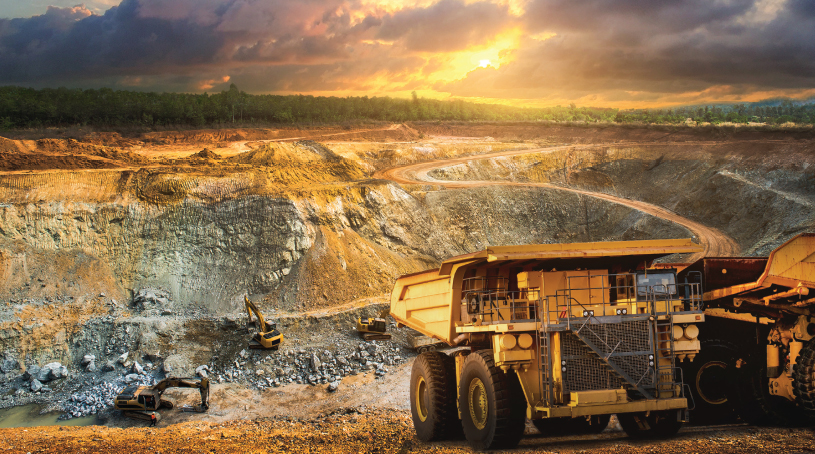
377,431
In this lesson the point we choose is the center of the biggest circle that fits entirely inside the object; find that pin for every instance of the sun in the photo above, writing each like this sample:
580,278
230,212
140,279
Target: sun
484,63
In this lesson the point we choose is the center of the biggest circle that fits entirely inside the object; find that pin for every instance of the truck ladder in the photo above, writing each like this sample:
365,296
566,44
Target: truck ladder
664,349
605,353
544,357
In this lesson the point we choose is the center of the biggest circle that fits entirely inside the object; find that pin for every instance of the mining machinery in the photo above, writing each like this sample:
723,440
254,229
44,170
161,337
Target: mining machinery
143,402
562,334
373,328
757,361
267,336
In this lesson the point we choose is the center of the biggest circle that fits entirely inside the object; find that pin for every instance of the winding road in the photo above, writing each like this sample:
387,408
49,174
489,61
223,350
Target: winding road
715,242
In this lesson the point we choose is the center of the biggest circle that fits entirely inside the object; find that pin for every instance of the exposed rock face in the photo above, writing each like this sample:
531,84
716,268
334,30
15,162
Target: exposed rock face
198,252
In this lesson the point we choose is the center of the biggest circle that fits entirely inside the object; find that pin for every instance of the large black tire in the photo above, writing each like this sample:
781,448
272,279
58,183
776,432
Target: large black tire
709,376
492,403
657,424
755,403
433,397
572,426
803,375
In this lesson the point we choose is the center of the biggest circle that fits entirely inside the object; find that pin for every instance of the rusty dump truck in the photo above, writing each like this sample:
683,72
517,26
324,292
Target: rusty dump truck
562,334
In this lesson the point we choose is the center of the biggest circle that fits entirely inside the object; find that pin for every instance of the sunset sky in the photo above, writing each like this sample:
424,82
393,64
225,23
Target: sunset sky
616,53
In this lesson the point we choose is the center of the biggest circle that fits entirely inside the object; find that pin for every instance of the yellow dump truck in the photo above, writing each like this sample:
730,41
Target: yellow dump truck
562,334
758,354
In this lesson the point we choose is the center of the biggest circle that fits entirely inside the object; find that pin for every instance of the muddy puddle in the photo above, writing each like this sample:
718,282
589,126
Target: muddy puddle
29,416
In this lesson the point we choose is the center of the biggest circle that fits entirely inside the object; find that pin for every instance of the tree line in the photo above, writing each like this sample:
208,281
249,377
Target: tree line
22,108
768,112
31,108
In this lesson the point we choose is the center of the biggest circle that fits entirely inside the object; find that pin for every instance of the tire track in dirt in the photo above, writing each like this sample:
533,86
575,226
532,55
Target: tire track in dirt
715,242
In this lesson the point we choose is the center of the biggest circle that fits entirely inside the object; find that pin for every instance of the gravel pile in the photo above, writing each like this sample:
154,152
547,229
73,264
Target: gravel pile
315,366
91,401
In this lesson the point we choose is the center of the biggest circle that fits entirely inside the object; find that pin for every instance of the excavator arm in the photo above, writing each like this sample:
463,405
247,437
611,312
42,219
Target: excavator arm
252,309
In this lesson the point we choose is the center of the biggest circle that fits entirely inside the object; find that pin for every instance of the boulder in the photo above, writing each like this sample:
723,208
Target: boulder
87,359
315,362
137,368
109,366
333,386
179,365
52,371
31,371
130,378
202,371
35,385
123,359
9,365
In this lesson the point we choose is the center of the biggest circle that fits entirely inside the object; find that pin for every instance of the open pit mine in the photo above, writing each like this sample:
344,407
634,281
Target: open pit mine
130,265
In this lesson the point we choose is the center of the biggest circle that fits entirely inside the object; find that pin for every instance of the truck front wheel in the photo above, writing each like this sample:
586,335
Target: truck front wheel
492,403
433,397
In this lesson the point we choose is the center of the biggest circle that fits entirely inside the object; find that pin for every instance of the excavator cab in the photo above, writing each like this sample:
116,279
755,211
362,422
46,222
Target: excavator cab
267,336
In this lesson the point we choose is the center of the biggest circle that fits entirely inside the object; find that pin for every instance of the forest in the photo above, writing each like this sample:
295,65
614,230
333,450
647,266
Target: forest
22,108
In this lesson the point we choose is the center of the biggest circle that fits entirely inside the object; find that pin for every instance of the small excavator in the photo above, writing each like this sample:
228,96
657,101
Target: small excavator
142,402
373,328
267,337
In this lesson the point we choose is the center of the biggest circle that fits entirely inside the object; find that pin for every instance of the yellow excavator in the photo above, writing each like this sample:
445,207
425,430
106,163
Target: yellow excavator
143,402
267,337
372,328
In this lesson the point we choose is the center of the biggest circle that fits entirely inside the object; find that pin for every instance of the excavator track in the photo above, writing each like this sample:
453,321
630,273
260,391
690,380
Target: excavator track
374,336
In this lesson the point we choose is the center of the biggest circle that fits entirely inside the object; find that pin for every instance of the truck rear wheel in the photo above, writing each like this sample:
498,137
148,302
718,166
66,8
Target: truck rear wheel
572,426
756,405
656,424
492,403
709,376
433,397
804,378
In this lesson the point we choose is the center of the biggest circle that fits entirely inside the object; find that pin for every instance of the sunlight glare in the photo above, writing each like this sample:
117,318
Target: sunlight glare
484,63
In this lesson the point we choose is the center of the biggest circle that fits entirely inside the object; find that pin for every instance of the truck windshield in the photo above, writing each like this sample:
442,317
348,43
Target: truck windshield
661,285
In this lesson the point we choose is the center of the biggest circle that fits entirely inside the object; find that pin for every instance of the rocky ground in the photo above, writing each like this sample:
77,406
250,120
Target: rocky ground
365,430
323,358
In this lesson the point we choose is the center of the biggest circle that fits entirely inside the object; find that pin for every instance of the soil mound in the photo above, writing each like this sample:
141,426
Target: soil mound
28,161
8,146
206,153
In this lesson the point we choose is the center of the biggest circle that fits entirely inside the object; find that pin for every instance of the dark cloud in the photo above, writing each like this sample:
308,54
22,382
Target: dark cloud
636,50
679,47
61,45
445,26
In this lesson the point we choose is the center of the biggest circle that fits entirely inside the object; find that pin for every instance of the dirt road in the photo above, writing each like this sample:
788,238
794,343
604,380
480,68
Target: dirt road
715,242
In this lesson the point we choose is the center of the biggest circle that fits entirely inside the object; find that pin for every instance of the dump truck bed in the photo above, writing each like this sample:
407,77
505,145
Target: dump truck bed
430,301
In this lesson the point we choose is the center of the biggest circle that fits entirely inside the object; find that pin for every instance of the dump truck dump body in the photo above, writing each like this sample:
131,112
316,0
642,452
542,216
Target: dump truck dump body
587,328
